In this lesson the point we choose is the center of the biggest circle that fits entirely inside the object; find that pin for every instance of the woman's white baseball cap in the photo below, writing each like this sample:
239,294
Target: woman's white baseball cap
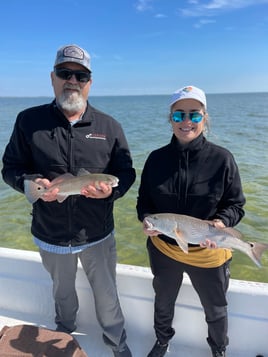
189,92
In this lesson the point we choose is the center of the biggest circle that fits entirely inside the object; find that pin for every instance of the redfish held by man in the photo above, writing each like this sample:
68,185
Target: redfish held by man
185,229
67,184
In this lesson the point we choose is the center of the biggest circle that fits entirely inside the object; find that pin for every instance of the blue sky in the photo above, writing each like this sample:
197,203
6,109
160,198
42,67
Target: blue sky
137,46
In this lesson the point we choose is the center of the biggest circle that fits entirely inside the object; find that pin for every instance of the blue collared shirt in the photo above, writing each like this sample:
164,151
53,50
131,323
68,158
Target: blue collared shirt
64,250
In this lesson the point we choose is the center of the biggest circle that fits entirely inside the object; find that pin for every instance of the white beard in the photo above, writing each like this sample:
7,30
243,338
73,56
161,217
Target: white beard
71,102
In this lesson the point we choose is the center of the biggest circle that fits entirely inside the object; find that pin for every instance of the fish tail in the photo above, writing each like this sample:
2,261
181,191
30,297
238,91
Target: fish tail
33,191
256,252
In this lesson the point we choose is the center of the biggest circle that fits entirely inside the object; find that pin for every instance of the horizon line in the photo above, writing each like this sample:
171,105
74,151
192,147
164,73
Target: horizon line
129,95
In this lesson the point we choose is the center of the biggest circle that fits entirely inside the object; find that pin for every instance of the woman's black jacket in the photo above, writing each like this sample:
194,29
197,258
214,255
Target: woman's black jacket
200,179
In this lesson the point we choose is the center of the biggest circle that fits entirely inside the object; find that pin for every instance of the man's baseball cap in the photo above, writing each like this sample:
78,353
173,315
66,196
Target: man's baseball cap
189,92
73,53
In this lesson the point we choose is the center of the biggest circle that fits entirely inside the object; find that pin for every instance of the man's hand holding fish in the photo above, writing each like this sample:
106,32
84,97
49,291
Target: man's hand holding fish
48,195
97,190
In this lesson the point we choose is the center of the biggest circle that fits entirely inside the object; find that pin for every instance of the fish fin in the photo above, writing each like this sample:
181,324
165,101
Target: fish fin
82,172
61,179
181,241
257,249
61,198
233,232
33,191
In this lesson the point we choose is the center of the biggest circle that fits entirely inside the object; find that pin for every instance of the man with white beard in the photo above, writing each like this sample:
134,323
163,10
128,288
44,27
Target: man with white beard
64,137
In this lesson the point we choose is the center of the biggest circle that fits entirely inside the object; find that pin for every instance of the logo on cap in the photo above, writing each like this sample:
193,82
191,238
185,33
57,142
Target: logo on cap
187,89
73,52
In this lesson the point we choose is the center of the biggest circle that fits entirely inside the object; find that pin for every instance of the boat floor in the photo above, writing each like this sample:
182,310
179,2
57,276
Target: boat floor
90,340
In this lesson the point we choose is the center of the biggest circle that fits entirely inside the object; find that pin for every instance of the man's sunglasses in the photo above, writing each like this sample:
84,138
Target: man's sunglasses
179,117
66,74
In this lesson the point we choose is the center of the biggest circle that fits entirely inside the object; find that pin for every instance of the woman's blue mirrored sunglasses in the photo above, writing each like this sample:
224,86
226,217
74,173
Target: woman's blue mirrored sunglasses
179,116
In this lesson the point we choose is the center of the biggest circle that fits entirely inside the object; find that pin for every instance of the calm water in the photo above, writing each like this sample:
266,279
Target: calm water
238,121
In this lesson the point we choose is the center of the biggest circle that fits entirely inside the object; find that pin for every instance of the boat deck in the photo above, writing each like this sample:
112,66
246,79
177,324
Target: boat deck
25,298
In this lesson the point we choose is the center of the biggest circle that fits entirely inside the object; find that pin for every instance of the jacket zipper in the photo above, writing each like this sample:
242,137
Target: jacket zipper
182,182
70,162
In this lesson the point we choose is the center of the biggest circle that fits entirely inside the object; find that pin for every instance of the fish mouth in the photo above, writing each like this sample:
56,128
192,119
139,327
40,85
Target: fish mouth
148,224
115,182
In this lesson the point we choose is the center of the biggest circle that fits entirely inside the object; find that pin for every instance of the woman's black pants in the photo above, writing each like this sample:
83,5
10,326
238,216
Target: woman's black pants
210,284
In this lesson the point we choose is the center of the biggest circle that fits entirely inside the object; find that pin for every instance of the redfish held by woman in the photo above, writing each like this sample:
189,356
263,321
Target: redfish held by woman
185,229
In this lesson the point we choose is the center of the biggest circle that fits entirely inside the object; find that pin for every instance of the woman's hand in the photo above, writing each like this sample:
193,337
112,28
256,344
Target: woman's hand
208,244
217,223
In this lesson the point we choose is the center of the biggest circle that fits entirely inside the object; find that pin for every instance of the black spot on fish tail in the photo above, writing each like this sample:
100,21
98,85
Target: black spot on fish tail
258,249
33,191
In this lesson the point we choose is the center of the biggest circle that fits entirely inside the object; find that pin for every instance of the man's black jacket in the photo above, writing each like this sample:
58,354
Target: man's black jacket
44,144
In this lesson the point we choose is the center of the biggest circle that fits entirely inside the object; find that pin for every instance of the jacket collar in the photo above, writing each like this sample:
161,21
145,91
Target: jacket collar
195,145
85,118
